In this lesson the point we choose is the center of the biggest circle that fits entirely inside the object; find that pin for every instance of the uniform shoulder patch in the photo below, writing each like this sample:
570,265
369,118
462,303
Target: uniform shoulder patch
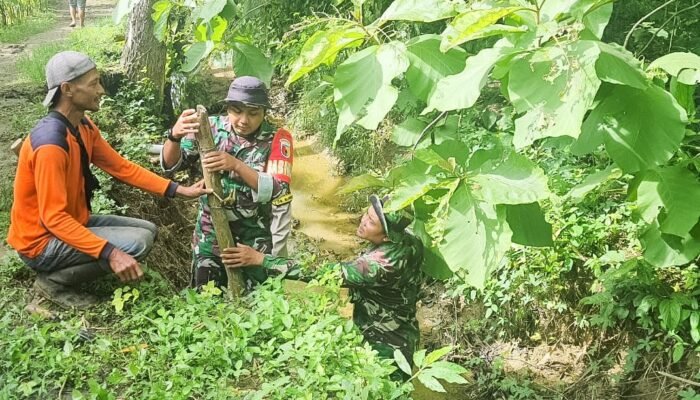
282,200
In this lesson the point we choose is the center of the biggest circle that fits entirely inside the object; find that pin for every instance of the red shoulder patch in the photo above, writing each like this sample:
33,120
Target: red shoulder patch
279,165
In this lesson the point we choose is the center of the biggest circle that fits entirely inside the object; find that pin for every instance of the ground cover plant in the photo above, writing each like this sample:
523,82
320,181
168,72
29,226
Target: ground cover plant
150,343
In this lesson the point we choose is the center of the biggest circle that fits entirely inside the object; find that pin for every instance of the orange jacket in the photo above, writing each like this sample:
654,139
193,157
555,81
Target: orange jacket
49,193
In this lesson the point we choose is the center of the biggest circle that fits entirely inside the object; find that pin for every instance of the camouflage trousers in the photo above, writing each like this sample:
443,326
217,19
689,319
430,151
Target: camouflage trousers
385,338
206,255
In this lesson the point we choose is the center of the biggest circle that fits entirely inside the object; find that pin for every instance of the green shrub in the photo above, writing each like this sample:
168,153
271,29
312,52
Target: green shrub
192,345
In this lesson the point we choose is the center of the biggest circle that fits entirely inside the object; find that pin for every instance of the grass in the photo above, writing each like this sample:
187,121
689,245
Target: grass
32,66
21,31
101,42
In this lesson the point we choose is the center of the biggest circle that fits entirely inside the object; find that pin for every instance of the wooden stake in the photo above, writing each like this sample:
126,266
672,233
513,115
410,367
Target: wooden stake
16,146
218,214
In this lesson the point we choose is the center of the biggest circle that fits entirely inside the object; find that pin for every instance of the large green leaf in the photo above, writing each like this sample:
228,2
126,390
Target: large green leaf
640,128
619,66
470,81
677,190
528,225
550,10
213,30
248,60
195,54
410,181
684,66
515,180
591,182
208,10
121,10
419,10
477,24
408,132
663,250
360,182
596,20
554,87
363,91
476,237
670,313
433,263
323,47
428,64
161,13
684,95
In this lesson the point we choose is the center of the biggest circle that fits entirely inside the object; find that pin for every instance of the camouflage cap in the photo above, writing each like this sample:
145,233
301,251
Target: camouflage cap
394,223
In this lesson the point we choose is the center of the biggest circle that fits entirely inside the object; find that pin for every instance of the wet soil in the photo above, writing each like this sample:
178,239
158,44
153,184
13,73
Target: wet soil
316,204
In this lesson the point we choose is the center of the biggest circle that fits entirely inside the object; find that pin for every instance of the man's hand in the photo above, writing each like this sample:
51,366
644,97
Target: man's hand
220,161
241,256
187,123
124,266
194,191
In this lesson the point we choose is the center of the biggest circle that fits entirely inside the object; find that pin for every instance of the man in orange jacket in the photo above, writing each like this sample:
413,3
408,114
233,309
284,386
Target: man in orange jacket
50,224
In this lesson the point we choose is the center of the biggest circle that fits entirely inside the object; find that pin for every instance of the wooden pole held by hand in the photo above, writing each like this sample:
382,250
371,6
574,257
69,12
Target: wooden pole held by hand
218,213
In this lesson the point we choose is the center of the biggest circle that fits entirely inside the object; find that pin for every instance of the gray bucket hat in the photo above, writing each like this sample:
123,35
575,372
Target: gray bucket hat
394,223
248,90
64,67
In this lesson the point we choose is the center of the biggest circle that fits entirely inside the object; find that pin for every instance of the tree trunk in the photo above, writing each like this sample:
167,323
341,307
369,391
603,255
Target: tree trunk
218,215
144,55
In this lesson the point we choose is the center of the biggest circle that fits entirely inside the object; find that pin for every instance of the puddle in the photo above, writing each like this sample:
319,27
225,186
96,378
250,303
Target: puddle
315,202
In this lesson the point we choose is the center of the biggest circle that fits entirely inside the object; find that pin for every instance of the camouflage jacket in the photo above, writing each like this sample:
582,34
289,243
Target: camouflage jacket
384,282
249,212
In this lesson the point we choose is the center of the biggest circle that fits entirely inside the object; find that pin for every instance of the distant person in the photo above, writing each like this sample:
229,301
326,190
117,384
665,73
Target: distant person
77,11
255,161
384,281
50,223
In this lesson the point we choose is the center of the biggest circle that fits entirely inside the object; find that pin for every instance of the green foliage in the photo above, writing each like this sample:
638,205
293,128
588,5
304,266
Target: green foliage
429,369
130,122
635,292
561,80
672,29
100,42
268,345
16,33
33,66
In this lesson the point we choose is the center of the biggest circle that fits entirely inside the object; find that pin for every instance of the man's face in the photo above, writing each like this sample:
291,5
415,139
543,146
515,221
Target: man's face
370,227
244,119
86,91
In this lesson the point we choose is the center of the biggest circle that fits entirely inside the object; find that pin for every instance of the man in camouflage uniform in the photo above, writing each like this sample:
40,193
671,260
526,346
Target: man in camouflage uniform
384,281
243,143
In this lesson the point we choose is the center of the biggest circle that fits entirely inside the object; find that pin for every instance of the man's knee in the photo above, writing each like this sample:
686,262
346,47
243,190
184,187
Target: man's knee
139,244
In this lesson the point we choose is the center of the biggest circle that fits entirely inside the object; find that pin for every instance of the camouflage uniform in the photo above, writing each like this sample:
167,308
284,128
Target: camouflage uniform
249,214
384,286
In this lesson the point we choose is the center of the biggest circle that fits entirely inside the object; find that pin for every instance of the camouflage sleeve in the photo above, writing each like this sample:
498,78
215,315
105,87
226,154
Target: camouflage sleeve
282,266
189,154
366,270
